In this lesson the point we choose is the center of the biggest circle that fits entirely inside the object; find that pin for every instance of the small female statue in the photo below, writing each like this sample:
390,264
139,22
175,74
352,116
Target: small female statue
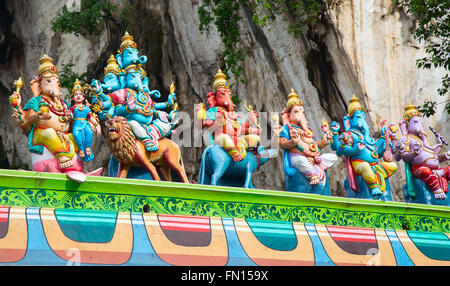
83,118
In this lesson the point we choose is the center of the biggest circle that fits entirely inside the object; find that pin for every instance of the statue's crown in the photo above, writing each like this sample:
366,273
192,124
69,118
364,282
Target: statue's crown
354,106
113,66
127,42
137,68
293,100
143,72
77,86
220,81
46,66
410,111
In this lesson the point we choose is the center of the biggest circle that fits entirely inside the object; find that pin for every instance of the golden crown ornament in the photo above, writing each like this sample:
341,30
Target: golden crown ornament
293,100
355,105
410,111
46,66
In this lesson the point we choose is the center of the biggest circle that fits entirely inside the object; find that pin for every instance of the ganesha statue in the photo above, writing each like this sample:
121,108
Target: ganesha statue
47,120
367,176
125,93
304,166
427,182
234,152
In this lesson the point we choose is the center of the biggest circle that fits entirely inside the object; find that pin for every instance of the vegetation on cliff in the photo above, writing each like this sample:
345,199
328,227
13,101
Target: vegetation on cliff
433,29
90,15
431,16
225,15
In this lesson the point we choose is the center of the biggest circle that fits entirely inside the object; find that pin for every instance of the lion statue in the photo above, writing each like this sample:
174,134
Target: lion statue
129,151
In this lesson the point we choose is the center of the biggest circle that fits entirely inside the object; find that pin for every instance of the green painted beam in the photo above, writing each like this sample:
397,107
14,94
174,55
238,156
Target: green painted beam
56,190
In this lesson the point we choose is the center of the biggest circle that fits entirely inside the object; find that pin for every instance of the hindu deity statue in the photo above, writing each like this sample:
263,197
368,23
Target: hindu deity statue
125,93
233,153
129,53
47,120
84,123
230,132
362,154
304,165
427,182
109,93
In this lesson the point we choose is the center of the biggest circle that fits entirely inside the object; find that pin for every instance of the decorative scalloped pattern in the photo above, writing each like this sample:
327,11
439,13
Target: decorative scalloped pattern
169,205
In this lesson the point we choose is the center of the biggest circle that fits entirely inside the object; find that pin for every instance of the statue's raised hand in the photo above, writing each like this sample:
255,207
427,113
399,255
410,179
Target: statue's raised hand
335,126
392,131
171,99
327,137
96,87
155,94
16,102
439,138
15,99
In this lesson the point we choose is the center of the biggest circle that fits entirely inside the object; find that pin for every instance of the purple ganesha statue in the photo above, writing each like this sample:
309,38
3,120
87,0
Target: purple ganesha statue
427,182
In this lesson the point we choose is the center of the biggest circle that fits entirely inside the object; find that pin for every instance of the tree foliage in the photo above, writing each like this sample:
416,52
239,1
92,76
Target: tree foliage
67,76
301,13
91,14
433,29
225,15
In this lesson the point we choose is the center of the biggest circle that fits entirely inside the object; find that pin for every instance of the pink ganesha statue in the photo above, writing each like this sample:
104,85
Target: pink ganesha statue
46,118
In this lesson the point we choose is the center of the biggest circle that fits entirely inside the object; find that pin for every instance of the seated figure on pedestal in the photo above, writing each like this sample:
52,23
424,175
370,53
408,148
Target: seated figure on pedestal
124,100
304,165
126,87
230,159
427,181
47,120
367,177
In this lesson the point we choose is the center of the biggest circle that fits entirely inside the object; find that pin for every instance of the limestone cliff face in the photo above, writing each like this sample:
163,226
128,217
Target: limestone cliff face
359,47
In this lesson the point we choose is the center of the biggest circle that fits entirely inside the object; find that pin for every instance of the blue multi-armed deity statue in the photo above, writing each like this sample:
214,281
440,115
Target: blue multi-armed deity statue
367,177
125,93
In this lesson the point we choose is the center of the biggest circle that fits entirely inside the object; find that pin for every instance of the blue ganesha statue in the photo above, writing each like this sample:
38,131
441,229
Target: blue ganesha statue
125,96
125,93
304,166
367,177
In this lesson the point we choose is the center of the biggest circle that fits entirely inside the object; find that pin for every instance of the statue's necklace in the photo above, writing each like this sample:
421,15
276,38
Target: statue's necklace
58,109
306,136
144,101
233,121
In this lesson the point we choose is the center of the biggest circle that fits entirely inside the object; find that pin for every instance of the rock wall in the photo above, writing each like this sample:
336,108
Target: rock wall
359,47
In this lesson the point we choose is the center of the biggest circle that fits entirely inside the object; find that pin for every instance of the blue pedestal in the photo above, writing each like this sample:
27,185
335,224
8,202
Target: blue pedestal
424,195
364,192
300,184
133,173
